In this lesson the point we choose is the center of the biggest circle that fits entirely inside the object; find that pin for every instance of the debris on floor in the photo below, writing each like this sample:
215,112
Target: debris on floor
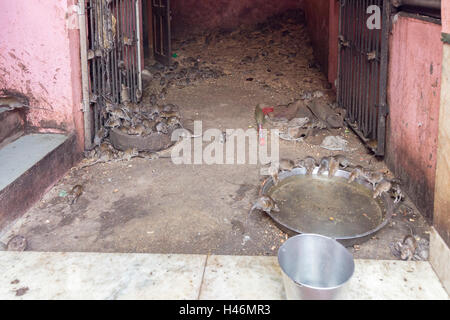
335,143
411,249
130,204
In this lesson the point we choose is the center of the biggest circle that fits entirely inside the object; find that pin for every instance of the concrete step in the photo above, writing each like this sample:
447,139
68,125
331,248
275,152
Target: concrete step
28,167
12,125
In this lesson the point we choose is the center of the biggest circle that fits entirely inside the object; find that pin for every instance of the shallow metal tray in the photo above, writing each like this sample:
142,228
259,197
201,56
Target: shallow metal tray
154,142
328,206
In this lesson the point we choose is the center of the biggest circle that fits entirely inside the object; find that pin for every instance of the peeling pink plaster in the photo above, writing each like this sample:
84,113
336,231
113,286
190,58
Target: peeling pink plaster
414,100
39,56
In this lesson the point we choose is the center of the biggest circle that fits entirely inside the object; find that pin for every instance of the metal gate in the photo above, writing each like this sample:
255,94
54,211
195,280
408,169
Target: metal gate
162,49
114,57
362,75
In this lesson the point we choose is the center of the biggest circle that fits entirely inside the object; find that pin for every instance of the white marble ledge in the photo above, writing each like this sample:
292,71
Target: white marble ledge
36,275
242,278
394,280
96,276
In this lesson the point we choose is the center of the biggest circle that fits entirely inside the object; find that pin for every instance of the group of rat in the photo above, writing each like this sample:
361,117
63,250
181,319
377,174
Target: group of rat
331,165
154,119
407,249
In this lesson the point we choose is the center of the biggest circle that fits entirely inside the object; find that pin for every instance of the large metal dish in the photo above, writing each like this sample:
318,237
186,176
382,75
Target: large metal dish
153,143
328,206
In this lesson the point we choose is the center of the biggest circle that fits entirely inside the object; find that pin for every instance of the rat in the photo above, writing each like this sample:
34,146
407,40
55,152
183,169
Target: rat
105,157
324,165
286,165
17,243
408,248
309,163
151,155
333,167
12,103
138,130
173,122
128,154
266,204
74,194
356,173
382,187
397,192
343,161
162,128
373,177
273,171
101,134
113,123
124,95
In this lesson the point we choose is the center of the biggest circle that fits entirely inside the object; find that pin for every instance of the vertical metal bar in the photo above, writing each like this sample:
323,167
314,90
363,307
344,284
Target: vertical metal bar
376,87
93,46
108,62
133,49
383,78
87,112
98,65
138,44
367,78
126,47
358,65
354,60
347,58
113,51
363,67
119,42
340,58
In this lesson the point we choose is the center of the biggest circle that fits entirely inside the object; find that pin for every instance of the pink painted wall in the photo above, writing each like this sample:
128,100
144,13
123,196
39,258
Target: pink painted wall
39,57
445,16
191,16
414,99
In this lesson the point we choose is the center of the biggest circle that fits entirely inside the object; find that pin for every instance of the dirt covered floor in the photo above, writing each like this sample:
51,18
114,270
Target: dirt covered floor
154,206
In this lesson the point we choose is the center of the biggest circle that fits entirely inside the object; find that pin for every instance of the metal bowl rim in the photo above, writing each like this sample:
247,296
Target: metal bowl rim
388,203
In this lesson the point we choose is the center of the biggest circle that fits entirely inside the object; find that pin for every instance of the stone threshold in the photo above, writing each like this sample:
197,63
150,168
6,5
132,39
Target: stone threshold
105,276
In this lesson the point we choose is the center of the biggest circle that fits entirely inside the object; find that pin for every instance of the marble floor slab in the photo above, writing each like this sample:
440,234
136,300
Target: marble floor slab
394,280
242,278
33,275
37,275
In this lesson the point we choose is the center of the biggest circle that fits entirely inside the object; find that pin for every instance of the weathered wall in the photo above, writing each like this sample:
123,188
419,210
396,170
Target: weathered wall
414,99
442,196
39,57
191,16
317,16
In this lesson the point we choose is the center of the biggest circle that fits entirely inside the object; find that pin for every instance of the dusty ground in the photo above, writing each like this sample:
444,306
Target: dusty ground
158,207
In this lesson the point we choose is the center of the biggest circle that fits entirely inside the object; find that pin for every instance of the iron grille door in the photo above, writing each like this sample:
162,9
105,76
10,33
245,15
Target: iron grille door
162,48
114,56
363,62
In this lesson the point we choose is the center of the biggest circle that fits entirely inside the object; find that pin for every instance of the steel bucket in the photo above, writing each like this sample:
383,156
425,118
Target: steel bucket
314,267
